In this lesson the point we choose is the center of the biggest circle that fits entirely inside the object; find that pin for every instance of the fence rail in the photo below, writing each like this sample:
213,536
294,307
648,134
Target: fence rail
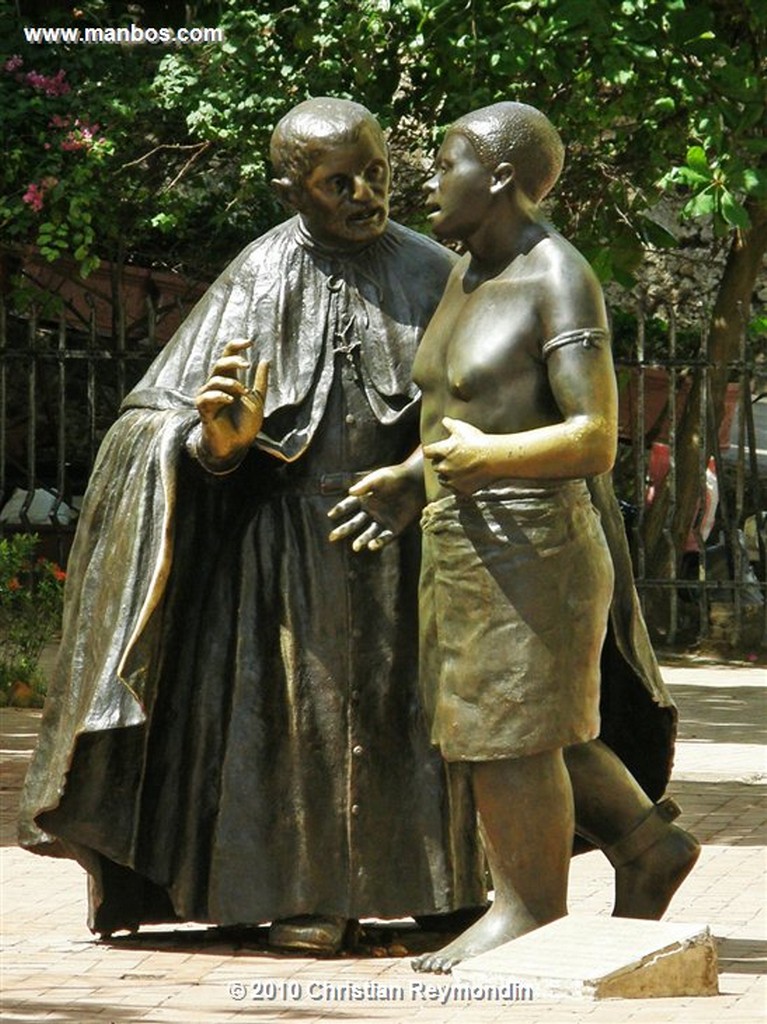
718,590
61,388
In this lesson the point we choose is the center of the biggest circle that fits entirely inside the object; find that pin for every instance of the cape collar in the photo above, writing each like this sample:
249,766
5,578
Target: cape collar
311,244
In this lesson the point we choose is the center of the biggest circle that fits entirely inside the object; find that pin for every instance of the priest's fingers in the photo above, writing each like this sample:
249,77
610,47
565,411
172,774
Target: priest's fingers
222,383
209,404
230,366
261,382
344,508
236,345
351,526
372,537
384,537
369,482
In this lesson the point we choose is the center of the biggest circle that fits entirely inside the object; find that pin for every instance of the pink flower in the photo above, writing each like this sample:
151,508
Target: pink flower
51,85
82,136
34,197
13,63
35,194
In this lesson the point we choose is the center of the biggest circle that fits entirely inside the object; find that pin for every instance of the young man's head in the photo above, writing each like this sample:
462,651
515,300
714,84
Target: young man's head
520,135
331,165
507,149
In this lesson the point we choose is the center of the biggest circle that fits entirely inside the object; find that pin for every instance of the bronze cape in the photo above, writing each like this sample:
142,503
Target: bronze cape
236,703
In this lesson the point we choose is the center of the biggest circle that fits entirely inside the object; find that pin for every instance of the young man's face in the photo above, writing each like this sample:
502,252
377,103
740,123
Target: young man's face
458,193
345,197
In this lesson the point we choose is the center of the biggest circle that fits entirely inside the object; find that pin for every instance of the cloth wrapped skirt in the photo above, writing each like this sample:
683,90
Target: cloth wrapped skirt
516,583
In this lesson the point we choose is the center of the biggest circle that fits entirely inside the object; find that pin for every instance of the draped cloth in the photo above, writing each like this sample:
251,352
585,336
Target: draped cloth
637,714
516,584
233,733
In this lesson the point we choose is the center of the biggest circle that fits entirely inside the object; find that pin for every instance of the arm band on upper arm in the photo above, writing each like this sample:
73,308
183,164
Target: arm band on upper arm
588,337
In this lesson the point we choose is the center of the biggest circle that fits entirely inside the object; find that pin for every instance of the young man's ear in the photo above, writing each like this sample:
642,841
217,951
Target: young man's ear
288,193
503,176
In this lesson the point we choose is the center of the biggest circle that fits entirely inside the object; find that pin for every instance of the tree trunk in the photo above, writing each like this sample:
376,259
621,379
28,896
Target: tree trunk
732,304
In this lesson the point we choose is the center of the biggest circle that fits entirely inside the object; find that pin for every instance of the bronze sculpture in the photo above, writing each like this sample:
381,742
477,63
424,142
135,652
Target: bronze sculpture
518,410
234,733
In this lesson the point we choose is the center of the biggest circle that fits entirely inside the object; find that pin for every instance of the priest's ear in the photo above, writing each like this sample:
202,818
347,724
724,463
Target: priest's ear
288,193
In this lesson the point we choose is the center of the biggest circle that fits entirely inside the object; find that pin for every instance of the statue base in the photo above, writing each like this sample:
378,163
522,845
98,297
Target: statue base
582,957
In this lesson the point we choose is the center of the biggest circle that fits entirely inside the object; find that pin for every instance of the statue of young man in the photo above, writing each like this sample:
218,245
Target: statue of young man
518,412
234,732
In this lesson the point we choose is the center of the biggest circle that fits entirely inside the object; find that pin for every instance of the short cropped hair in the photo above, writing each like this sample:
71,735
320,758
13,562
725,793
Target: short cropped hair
518,134
306,131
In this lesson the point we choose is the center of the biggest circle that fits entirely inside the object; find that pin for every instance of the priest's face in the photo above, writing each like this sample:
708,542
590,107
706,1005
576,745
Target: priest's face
344,201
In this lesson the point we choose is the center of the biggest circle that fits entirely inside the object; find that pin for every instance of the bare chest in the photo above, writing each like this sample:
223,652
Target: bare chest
478,344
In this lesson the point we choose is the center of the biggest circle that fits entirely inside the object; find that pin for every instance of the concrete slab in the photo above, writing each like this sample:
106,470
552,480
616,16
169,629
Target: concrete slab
584,957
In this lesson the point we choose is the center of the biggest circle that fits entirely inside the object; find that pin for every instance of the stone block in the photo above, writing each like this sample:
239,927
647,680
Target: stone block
583,957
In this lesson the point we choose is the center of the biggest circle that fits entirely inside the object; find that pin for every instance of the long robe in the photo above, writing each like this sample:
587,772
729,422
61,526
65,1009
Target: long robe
233,732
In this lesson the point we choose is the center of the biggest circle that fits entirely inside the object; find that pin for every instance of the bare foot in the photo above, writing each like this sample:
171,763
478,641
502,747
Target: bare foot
644,887
492,930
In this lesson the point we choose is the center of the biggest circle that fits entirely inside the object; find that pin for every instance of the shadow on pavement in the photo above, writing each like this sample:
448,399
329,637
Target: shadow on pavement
733,714
742,956
366,941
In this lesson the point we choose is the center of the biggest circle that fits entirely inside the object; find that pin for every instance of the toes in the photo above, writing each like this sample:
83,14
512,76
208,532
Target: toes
421,963
445,964
433,963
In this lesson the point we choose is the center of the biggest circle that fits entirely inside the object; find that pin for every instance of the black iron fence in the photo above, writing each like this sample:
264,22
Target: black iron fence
61,387
717,590
60,390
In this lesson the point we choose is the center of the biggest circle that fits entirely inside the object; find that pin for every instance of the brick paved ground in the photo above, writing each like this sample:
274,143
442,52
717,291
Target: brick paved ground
54,970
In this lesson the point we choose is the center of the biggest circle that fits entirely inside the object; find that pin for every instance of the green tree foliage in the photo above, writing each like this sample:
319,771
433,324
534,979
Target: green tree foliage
157,153
73,120
31,601
648,94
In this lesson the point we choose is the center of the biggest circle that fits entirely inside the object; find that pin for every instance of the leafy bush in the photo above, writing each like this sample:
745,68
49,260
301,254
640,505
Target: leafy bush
157,154
31,599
